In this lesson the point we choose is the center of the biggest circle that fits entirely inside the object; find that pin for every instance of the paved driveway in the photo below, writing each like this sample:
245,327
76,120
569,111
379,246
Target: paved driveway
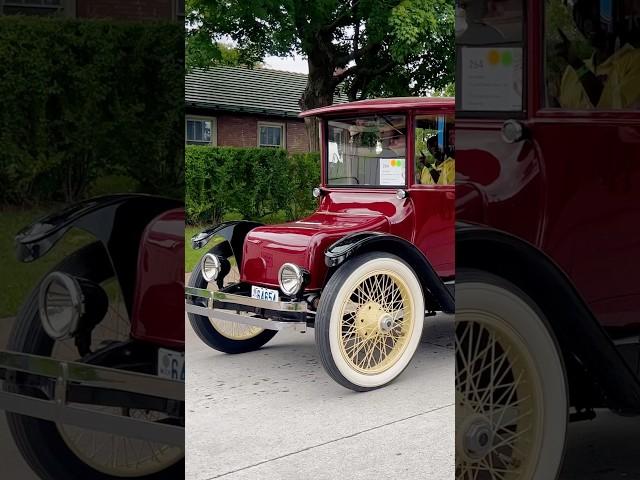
275,414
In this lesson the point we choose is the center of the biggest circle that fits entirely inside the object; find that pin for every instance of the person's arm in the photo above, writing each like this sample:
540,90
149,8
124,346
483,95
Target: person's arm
592,85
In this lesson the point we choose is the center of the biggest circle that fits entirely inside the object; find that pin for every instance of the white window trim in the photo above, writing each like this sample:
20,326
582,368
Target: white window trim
214,129
67,7
282,125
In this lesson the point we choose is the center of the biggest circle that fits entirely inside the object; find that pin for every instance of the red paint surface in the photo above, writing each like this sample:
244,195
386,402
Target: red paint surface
425,218
570,190
158,311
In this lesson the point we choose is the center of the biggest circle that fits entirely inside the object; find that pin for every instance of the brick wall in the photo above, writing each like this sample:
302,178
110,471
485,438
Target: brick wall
130,9
242,131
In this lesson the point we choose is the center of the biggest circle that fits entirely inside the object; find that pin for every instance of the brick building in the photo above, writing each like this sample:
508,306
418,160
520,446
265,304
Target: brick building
242,107
117,9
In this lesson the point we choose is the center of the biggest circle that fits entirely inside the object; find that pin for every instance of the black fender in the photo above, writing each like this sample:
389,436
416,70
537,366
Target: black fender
585,344
116,221
233,232
363,242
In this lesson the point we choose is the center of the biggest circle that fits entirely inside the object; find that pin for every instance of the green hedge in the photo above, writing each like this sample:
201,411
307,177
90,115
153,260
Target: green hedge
82,98
253,182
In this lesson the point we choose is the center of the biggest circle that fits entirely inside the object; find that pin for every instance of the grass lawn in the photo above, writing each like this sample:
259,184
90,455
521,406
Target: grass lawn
17,278
192,257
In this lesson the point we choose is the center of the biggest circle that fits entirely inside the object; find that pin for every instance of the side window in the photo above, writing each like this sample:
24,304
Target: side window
592,59
435,150
489,39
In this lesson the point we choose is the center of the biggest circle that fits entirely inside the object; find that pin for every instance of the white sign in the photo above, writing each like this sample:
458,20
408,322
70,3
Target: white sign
334,153
392,171
491,79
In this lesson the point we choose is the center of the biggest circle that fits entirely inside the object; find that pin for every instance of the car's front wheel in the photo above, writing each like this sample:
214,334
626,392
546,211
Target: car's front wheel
221,335
511,393
369,321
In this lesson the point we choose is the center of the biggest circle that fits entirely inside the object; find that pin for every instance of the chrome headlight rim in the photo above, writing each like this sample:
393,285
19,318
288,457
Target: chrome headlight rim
76,304
210,266
300,278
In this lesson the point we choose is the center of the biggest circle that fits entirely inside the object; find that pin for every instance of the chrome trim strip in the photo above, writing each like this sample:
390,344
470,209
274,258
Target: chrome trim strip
82,417
227,316
58,410
93,375
280,306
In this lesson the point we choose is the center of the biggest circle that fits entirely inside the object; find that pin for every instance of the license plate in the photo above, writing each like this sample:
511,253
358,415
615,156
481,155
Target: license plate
171,364
264,293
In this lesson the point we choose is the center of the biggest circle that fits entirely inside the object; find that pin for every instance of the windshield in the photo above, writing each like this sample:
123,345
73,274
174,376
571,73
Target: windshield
367,150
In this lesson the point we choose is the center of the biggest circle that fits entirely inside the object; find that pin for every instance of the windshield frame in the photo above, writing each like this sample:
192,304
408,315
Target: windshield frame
324,146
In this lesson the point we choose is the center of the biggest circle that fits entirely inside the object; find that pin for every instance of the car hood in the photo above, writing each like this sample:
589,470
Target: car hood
303,242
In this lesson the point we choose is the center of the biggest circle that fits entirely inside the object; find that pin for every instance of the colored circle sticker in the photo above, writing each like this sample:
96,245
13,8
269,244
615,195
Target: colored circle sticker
507,58
493,57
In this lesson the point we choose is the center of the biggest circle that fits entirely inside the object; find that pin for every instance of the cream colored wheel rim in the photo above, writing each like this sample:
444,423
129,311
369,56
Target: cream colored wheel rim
236,331
377,322
498,413
511,398
111,454
120,456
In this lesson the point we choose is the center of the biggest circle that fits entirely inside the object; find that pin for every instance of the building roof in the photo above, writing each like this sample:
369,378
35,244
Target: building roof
241,89
385,104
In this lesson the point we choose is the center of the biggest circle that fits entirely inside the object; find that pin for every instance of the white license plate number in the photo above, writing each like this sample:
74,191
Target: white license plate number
264,293
171,364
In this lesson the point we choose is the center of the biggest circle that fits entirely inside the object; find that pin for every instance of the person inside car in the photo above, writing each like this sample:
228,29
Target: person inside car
443,171
610,78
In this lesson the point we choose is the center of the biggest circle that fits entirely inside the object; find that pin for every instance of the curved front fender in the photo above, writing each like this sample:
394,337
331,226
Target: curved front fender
362,242
233,232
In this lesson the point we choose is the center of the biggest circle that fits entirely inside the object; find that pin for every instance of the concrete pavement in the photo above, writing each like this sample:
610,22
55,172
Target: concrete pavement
275,414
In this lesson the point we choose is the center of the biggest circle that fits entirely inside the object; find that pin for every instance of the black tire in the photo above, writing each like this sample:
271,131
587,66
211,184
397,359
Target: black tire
210,336
492,309
325,328
39,441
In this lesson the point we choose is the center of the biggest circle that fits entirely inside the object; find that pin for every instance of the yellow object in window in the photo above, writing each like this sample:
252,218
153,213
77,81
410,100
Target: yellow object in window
621,72
446,173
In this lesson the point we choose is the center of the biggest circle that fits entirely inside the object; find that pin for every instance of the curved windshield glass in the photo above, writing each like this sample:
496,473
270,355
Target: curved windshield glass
367,150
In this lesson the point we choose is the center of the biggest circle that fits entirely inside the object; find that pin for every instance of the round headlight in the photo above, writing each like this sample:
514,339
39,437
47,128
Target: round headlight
210,267
61,304
292,278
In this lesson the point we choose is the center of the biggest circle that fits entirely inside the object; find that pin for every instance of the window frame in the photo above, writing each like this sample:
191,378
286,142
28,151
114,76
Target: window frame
546,113
525,45
283,134
67,8
214,130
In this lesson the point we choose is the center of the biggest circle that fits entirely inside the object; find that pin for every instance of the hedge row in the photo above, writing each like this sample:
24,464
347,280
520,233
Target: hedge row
253,182
82,98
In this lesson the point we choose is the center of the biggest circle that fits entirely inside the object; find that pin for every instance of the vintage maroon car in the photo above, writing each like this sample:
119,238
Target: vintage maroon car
365,267
548,245
93,374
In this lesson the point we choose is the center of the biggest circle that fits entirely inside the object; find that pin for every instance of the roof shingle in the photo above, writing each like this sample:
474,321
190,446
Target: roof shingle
240,89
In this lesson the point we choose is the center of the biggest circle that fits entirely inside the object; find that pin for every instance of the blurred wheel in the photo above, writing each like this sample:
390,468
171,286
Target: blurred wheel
511,393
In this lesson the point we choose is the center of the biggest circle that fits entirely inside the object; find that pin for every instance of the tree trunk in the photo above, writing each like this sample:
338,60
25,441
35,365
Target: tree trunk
318,93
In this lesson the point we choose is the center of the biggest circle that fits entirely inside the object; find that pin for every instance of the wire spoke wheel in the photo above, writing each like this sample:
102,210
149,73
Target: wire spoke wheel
510,389
112,454
376,322
369,320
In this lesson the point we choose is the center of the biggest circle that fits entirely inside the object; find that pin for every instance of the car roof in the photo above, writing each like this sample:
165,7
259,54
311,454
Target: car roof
384,104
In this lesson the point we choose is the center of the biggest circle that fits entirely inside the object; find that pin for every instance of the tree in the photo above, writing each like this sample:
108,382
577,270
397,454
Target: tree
371,47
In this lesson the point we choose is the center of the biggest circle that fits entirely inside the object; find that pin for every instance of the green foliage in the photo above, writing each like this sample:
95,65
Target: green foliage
83,98
255,182
377,48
